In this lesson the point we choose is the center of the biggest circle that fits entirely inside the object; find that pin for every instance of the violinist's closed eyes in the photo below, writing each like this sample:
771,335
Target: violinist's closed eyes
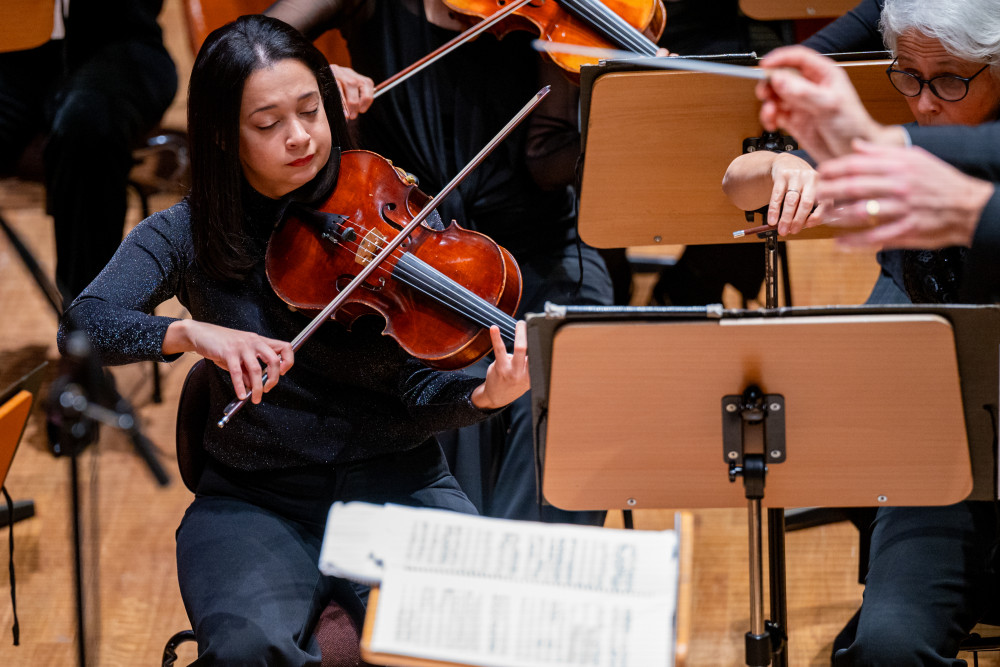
349,416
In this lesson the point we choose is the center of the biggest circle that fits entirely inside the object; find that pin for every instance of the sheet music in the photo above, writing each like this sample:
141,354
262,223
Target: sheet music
498,624
496,593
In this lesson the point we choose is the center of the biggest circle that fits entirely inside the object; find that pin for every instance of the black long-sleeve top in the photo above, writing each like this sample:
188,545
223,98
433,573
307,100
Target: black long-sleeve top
350,396
983,260
857,30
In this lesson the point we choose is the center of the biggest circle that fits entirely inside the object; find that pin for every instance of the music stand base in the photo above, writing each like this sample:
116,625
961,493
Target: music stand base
758,649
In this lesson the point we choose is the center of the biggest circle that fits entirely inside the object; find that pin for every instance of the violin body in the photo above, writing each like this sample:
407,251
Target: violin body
438,292
572,22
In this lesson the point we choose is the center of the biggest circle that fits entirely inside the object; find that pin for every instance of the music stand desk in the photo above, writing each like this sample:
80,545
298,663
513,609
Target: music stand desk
883,405
657,143
862,406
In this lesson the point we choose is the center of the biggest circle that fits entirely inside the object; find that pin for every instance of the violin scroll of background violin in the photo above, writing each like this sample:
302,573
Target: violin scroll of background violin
439,292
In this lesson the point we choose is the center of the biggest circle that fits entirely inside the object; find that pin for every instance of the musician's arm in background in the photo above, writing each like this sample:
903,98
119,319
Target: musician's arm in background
784,182
857,30
312,17
315,17
983,260
974,150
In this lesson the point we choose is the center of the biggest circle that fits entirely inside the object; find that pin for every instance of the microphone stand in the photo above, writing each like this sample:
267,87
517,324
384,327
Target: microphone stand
77,406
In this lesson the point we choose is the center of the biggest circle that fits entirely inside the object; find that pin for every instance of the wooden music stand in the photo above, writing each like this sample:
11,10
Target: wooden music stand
863,406
656,144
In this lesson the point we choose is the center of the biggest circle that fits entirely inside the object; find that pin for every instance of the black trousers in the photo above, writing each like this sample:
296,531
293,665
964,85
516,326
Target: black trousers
92,115
248,549
931,574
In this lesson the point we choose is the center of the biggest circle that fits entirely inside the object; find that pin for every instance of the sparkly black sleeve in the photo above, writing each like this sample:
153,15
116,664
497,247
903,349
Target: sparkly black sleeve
115,310
441,400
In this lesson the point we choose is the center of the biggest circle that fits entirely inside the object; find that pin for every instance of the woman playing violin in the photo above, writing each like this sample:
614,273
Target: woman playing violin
521,196
352,416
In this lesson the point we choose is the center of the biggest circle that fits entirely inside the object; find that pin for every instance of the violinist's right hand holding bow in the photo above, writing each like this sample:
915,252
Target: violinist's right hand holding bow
239,352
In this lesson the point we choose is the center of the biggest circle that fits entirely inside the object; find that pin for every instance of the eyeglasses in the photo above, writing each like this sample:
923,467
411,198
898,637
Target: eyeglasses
948,87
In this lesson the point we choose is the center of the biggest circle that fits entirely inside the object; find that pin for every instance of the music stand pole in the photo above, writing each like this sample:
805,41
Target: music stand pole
753,435
775,516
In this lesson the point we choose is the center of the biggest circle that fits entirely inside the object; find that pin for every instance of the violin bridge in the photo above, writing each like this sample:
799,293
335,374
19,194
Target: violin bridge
370,246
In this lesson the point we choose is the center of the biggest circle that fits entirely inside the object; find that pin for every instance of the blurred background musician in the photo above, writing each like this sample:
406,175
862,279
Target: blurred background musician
92,91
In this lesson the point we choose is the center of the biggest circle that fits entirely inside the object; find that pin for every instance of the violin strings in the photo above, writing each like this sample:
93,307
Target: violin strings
613,26
464,301
455,305
627,33
416,273
448,289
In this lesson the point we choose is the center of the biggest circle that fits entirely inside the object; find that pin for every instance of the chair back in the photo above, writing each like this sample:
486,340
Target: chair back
192,416
13,416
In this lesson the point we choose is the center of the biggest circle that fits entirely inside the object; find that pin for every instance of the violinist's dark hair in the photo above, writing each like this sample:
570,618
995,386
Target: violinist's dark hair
226,60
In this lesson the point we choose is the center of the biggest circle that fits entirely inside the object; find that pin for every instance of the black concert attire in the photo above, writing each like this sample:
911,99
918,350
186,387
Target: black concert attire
854,32
983,261
93,95
352,420
432,125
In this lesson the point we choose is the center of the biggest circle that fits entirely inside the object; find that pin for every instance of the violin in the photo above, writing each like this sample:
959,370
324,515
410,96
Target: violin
382,258
626,25
629,25
439,291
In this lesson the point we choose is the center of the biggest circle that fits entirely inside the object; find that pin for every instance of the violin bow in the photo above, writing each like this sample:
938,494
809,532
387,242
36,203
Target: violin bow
666,62
443,50
394,243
